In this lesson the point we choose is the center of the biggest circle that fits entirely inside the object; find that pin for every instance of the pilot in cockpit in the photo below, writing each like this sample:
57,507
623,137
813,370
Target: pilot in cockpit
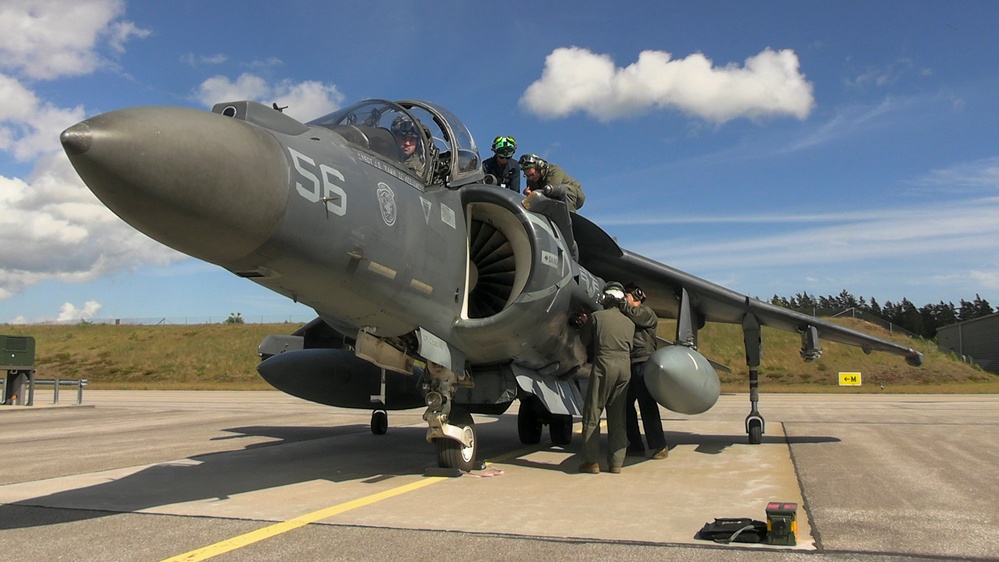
407,135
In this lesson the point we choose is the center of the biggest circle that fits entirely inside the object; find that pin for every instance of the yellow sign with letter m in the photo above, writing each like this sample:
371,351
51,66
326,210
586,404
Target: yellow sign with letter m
849,379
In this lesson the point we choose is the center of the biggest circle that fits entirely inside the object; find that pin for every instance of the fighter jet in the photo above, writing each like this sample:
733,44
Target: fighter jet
433,288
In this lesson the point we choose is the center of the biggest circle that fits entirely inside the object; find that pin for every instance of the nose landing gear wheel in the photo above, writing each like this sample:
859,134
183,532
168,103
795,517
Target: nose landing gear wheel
451,453
755,432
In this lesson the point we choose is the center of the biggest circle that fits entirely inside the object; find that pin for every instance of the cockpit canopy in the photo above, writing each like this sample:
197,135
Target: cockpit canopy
418,137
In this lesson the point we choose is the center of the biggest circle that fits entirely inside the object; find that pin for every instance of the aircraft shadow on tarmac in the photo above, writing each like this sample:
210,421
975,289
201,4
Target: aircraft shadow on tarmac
704,444
303,454
715,444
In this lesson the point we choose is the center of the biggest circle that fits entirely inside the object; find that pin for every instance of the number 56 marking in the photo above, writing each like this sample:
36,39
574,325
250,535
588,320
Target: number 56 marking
326,190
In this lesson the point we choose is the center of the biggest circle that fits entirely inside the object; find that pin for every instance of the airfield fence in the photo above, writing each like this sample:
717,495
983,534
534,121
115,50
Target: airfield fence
185,320
305,318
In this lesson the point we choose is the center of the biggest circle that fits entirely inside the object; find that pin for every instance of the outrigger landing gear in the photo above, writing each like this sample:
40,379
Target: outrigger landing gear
379,422
452,429
755,424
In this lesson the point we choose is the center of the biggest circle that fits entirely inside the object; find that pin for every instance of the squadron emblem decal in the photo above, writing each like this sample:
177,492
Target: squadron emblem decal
386,202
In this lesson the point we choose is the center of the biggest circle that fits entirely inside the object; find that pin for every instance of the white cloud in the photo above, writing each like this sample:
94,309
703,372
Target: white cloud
575,79
928,236
53,228
197,60
305,100
121,31
69,313
46,39
28,127
978,175
886,75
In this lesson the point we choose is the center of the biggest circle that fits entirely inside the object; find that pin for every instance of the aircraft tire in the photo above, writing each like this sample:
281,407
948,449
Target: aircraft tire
379,422
755,432
452,454
528,424
560,429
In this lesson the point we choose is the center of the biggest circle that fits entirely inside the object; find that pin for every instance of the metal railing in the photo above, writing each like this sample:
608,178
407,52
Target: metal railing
56,383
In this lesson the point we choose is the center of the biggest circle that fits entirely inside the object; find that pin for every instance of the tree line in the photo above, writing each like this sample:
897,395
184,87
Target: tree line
923,321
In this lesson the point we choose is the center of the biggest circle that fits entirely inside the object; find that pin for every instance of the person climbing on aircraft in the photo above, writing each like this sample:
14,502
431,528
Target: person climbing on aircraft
643,345
607,335
551,180
501,164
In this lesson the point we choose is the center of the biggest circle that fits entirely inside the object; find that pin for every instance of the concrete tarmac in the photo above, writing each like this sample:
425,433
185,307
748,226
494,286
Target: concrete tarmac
150,475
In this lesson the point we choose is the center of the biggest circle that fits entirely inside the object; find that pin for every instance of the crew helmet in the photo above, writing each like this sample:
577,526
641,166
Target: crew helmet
529,161
614,290
504,146
403,126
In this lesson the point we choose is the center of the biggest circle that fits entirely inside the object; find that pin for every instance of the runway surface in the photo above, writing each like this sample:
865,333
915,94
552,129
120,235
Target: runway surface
151,475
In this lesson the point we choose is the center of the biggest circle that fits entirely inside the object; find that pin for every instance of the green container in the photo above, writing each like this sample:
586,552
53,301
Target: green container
17,353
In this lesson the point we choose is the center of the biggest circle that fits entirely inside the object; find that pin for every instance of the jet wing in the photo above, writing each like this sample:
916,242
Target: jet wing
600,254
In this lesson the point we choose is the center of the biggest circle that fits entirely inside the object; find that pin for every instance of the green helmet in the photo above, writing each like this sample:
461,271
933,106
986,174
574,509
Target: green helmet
504,146
529,161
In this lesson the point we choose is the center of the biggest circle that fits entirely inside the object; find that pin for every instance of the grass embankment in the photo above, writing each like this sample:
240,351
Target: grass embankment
223,356
203,357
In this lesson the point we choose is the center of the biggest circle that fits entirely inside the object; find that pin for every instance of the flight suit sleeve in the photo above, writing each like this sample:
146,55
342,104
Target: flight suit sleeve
642,316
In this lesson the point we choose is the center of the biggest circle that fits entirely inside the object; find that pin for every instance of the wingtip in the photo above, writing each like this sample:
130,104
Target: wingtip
915,358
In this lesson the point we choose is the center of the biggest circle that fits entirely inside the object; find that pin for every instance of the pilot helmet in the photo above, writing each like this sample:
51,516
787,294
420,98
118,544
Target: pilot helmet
529,161
504,146
613,291
403,126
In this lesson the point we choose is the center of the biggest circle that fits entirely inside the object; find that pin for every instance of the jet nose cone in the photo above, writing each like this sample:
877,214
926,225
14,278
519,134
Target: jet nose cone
76,139
210,186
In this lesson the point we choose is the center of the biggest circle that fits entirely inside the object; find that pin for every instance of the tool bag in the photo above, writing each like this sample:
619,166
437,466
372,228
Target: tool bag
733,529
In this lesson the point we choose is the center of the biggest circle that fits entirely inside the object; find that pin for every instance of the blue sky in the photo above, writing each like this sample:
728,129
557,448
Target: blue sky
771,147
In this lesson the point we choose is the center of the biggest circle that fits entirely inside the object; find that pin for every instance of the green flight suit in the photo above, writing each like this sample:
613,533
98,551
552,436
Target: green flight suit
608,335
574,196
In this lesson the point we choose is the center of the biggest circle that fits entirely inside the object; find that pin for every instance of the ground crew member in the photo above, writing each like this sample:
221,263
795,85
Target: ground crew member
552,181
607,335
644,344
501,165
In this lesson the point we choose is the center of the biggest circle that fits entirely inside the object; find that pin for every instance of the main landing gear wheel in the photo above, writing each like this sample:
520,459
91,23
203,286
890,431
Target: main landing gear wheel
451,453
560,429
379,422
528,423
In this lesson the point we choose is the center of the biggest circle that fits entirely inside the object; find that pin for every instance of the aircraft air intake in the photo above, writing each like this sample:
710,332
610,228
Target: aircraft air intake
492,258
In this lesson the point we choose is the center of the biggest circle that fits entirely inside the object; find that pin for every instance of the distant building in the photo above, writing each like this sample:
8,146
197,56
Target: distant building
976,339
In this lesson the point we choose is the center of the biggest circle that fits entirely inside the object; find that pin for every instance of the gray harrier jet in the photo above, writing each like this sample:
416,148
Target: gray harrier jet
432,288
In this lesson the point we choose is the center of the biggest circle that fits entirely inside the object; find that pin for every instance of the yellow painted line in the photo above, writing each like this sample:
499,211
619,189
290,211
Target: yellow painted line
234,543
301,521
